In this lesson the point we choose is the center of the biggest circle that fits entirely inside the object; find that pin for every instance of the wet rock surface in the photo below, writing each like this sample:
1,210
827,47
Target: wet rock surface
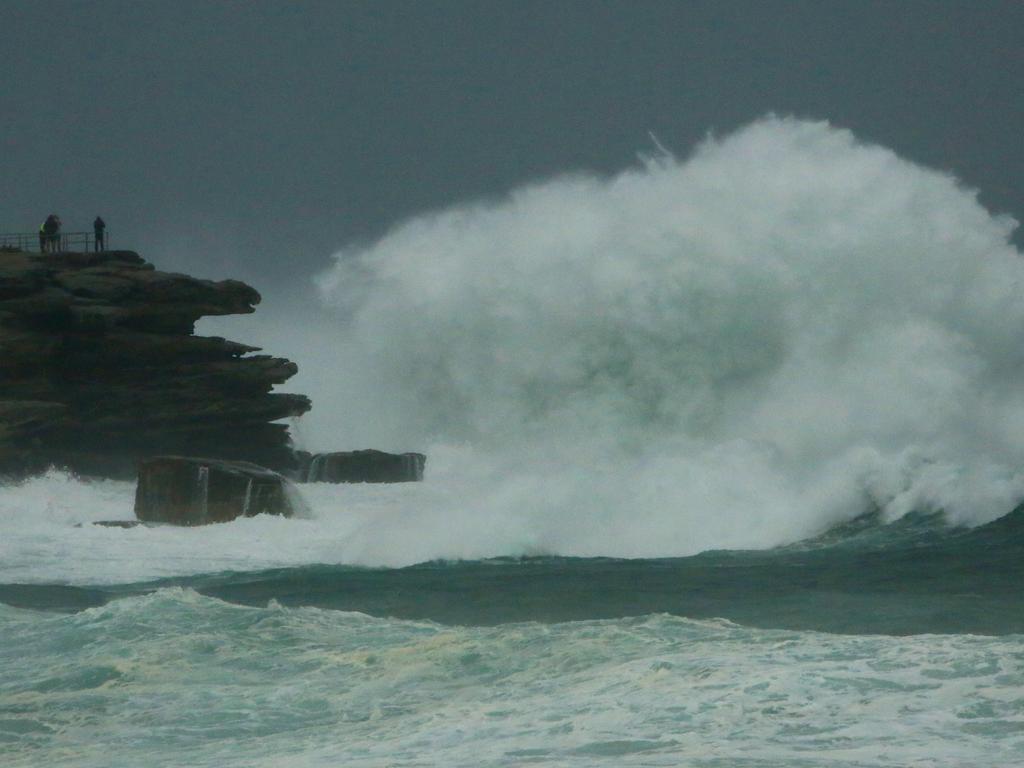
368,466
99,368
192,491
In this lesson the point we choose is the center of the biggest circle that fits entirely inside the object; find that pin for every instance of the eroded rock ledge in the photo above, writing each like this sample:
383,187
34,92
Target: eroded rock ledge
99,368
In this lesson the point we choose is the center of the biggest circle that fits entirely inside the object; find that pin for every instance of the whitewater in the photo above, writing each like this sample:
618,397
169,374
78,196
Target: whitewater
724,469
747,347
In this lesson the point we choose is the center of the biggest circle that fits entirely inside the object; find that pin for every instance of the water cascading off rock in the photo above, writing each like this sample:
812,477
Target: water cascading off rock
193,491
367,466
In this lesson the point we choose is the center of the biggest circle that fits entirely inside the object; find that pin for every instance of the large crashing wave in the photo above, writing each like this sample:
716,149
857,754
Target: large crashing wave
740,349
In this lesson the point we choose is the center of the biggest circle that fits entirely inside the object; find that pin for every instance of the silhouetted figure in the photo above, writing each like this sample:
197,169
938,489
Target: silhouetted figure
42,237
51,227
98,228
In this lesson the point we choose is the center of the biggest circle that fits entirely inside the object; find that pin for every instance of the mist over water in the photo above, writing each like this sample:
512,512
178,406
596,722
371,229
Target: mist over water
739,349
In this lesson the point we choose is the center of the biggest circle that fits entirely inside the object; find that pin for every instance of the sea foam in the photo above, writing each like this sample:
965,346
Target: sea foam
737,349
223,686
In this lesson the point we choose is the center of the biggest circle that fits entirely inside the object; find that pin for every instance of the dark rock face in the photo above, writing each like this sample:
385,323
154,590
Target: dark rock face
99,368
368,466
190,491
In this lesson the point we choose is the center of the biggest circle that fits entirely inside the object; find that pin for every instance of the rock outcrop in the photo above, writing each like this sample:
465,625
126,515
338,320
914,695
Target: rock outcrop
99,368
367,466
190,491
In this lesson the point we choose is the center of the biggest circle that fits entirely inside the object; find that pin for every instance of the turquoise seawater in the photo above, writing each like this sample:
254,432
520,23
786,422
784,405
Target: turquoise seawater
874,643
174,678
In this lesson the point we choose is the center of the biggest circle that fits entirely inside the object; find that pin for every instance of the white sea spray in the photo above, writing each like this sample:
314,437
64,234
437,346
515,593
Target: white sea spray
739,349
736,350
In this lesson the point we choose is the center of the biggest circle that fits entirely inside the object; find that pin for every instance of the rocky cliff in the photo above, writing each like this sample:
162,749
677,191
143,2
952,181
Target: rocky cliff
99,367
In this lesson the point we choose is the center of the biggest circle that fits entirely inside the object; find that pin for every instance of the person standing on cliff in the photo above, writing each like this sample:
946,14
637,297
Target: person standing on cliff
42,237
51,227
98,228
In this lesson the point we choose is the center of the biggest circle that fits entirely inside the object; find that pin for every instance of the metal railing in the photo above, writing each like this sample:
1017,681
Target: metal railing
63,241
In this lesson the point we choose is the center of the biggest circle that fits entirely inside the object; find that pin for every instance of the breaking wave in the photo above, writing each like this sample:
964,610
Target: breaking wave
739,349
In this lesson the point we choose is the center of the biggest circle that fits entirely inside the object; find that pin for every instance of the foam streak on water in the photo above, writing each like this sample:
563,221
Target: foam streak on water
177,674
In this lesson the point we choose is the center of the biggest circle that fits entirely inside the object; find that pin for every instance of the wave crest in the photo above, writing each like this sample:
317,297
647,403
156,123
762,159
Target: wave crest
737,349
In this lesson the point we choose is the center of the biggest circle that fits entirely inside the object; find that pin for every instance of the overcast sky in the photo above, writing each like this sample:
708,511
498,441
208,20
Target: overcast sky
254,139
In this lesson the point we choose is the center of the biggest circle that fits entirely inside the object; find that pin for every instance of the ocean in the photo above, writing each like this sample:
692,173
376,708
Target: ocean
870,645
724,469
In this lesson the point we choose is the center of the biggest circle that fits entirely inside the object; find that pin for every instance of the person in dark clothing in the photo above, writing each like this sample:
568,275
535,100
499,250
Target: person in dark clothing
42,238
98,228
51,228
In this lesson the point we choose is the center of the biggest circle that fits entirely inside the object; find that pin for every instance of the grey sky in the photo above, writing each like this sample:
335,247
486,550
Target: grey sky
252,139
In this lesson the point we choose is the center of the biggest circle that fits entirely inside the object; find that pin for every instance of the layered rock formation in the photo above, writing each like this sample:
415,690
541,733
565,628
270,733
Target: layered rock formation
99,368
